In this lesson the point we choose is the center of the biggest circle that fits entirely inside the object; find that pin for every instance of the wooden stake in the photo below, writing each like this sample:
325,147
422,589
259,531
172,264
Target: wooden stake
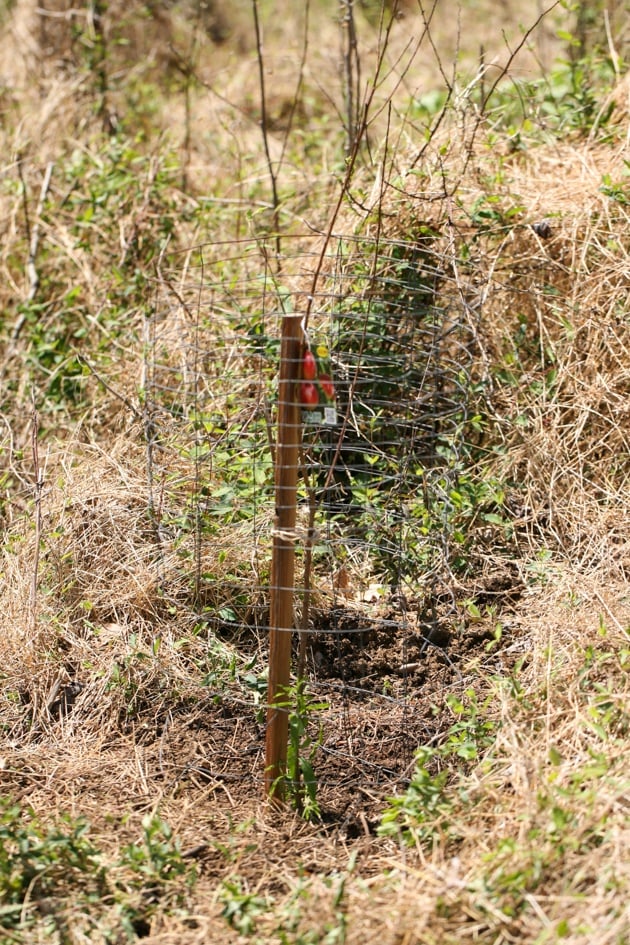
281,614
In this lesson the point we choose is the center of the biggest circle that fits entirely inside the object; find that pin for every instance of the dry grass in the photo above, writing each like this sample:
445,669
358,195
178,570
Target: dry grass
118,701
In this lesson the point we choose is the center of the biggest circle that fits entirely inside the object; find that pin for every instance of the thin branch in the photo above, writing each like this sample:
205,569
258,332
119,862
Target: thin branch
308,565
38,488
32,236
513,54
350,166
121,397
352,73
299,84
32,233
263,127
503,72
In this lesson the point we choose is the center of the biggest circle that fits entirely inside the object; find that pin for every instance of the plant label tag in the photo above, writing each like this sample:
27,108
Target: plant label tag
316,389
322,417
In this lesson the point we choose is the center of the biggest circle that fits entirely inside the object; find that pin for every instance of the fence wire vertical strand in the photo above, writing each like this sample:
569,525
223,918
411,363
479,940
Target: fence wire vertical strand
150,434
197,425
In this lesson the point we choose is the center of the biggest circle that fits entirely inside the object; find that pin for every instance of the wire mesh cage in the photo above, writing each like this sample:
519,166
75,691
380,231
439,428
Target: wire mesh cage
380,485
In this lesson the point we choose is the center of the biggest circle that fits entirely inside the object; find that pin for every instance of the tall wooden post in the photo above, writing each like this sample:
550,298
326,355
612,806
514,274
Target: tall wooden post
281,615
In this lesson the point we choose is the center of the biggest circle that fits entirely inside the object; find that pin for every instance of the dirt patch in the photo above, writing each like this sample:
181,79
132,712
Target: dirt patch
385,683
383,686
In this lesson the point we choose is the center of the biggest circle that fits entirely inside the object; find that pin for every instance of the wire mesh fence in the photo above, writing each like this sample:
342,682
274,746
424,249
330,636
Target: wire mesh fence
380,474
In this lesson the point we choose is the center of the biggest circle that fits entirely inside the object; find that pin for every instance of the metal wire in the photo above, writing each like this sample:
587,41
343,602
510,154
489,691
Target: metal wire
379,485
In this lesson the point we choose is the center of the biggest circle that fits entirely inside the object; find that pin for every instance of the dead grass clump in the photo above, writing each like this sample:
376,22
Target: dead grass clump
551,334
57,36
556,833
116,624
558,330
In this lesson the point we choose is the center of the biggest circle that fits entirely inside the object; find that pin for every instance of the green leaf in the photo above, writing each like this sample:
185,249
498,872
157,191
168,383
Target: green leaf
493,518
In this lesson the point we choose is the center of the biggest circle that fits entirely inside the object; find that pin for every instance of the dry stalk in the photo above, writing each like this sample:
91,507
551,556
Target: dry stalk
273,176
38,486
351,74
32,235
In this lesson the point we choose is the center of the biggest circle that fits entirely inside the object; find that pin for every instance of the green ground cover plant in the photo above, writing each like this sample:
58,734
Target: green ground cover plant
55,879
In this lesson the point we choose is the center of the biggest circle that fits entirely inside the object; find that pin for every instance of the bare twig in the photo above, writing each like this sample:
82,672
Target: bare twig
32,235
363,338
308,551
300,82
351,73
38,488
487,92
121,397
263,127
506,68
350,167
33,232
615,58
97,10
185,64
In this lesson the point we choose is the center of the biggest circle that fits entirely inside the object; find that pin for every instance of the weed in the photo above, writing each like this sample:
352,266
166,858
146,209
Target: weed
241,908
44,870
245,910
135,675
423,810
300,781
618,191
435,791
114,196
155,876
302,748
41,865
473,734
566,99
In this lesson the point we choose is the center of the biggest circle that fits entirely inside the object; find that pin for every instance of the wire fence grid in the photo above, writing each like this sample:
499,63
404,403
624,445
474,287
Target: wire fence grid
376,537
